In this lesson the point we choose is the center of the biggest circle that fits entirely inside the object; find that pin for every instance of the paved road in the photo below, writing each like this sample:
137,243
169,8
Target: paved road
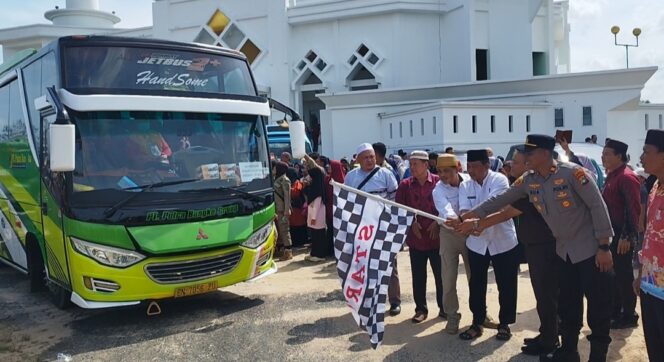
297,314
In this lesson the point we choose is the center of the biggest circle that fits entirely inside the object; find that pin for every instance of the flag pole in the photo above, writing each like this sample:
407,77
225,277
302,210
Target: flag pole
440,220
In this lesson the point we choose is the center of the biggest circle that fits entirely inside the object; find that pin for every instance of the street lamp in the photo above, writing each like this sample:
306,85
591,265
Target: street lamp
636,32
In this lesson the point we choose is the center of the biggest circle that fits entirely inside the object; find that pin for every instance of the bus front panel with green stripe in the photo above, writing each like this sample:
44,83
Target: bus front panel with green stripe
170,191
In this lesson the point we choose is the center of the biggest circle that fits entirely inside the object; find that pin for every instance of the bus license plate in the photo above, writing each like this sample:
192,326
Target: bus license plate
196,289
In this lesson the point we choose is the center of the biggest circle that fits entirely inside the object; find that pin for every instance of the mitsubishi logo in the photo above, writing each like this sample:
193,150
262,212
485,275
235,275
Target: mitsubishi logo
201,234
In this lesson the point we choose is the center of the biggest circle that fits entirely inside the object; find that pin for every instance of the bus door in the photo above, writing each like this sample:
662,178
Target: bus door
52,194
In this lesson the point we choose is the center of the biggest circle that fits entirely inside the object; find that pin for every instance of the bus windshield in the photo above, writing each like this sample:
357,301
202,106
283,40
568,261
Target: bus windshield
127,151
118,69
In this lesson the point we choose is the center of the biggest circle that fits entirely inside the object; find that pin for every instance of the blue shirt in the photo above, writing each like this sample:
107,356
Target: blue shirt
383,183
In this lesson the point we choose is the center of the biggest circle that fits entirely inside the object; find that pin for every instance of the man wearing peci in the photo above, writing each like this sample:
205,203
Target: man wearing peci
571,204
380,181
622,194
496,245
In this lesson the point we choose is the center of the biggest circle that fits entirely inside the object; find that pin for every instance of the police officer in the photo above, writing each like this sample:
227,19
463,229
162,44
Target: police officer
540,251
571,204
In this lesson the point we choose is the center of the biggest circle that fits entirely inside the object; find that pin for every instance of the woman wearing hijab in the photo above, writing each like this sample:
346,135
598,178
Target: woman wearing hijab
298,217
315,193
282,202
337,174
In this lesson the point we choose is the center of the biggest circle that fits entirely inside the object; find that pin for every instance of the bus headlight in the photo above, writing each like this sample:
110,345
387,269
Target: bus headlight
259,237
107,255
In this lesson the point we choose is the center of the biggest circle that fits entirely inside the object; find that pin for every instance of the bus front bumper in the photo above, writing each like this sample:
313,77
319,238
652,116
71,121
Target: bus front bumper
97,286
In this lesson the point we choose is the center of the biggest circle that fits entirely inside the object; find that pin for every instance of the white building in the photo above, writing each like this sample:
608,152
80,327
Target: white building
412,73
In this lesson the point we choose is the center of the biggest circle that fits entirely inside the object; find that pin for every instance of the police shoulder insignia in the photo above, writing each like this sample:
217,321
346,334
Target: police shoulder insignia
580,176
518,181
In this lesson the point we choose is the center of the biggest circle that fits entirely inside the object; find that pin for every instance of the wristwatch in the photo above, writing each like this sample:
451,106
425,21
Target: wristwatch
604,247
476,225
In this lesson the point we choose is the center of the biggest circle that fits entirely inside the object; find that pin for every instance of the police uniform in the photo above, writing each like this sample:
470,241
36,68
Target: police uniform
539,246
571,204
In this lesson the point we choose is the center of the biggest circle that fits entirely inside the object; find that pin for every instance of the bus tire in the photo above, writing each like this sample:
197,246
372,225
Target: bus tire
60,296
36,271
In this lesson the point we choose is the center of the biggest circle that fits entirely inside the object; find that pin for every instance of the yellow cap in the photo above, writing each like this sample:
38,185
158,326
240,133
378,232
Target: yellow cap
446,160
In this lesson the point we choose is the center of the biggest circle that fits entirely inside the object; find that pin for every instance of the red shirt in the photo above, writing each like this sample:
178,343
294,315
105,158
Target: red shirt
622,195
652,254
412,193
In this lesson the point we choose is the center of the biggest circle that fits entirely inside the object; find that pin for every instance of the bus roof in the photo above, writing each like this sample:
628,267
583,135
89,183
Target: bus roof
147,42
24,56
16,59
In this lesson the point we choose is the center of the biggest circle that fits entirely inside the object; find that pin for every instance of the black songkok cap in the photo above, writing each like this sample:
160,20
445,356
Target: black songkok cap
535,141
478,155
655,138
617,146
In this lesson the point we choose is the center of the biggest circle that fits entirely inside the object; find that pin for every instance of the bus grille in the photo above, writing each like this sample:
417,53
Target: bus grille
187,271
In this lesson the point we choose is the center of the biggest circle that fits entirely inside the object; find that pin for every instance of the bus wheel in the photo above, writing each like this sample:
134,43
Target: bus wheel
60,296
36,271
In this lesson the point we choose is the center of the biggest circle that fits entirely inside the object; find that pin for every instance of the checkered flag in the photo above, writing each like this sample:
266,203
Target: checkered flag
368,234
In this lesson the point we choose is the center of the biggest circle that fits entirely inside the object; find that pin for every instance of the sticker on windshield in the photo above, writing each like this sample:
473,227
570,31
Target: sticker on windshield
250,171
209,171
127,183
228,171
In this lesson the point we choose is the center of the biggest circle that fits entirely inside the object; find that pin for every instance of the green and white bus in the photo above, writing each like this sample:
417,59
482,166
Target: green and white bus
133,170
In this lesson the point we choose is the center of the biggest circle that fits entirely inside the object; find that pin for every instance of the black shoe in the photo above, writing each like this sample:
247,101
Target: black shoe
532,349
535,349
395,309
534,340
626,322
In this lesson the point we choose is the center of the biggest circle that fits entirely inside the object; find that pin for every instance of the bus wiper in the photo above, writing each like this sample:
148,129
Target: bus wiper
246,194
111,210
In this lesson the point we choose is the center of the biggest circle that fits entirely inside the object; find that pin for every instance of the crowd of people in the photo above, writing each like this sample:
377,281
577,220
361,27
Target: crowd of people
578,240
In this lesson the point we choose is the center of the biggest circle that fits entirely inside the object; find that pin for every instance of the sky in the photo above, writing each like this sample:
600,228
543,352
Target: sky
591,42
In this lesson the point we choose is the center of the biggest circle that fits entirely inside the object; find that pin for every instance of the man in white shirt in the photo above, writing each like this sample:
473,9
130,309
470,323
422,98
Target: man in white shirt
371,178
452,244
496,245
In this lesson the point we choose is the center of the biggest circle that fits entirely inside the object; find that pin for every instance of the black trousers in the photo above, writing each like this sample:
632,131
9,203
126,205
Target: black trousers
298,235
652,318
394,288
576,281
506,270
624,299
319,245
543,267
418,265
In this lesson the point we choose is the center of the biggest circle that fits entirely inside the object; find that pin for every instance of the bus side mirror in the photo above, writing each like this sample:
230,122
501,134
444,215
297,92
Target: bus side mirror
61,134
295,128
297,138
61,147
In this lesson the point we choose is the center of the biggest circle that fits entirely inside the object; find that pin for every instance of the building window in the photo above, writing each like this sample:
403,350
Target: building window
361,78
558,118
422,125
455,124
434,125
474,124
391,131
660,122
493,124
221,31
540,64
647,123
528,123
400,129
411,128
363,62
510,125
587,116
481,64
